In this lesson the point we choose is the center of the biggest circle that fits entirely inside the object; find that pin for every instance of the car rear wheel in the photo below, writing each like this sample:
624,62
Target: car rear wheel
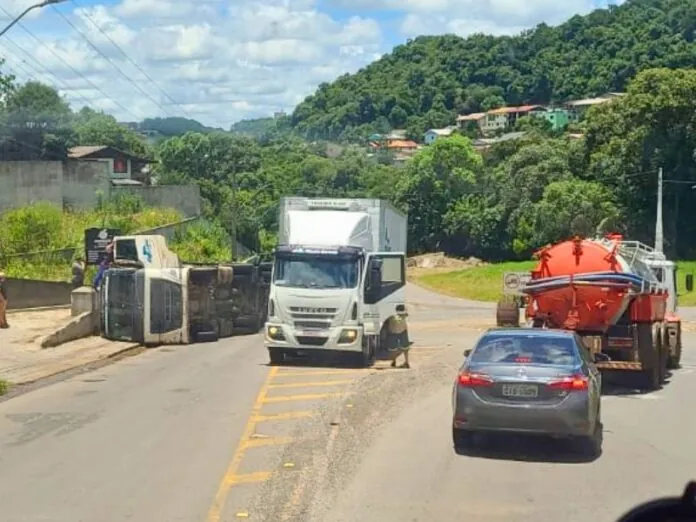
591,446
462,438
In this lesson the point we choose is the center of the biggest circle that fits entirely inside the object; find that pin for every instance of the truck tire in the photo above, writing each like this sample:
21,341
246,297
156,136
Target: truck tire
675,351
370,348
649,342
208,336
507,312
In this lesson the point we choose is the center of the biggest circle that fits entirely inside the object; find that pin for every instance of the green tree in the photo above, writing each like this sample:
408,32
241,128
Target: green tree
435,178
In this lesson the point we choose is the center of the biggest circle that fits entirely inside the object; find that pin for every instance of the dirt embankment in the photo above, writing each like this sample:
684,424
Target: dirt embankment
438,262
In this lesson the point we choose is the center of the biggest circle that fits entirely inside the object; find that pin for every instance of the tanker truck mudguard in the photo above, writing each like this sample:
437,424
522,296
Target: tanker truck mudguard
619,296
149,296
339,275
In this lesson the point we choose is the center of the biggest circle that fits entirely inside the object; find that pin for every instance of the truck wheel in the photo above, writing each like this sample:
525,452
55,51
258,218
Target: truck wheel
369,351
507,312
276,356
675,355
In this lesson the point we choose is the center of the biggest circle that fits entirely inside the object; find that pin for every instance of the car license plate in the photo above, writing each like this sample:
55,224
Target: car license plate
520,390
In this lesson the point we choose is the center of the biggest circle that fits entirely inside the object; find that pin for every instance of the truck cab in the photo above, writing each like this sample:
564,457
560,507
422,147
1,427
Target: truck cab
334,285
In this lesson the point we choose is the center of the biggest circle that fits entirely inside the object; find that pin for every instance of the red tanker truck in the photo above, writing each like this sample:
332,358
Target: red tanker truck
619,296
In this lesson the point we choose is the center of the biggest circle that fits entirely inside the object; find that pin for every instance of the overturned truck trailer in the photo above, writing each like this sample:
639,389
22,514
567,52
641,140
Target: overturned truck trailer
150,297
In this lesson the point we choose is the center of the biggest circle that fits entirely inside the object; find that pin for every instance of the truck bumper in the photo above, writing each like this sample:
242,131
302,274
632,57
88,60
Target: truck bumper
339,338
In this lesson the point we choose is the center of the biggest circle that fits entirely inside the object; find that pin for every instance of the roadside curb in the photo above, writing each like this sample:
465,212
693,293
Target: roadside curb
39,309
131,349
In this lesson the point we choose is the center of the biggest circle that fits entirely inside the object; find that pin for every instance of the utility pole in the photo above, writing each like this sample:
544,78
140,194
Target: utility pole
659,237
30,8
235,211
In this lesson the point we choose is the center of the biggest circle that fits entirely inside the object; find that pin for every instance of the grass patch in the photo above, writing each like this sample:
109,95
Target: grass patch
684,268
4,387
483,283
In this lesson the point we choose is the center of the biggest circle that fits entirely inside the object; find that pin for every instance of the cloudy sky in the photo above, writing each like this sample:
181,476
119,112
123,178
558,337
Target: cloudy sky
219,61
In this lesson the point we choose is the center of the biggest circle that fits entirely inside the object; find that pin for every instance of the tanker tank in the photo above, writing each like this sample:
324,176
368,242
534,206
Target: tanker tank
588,284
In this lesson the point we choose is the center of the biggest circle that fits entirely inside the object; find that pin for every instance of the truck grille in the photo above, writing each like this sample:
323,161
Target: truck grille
314,318
311,341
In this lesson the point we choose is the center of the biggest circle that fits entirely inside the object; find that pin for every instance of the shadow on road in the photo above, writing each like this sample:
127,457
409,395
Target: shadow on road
328,359
622,384
523,448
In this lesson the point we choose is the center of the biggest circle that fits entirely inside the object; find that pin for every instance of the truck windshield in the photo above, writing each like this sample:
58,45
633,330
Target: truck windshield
306,272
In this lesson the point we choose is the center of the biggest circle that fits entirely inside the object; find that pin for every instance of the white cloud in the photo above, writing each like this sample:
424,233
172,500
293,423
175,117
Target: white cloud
223,60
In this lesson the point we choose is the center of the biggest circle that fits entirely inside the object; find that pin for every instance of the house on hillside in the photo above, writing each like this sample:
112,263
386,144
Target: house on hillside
505,117
394,145
433,134
476,118
558,117
123,168
578,108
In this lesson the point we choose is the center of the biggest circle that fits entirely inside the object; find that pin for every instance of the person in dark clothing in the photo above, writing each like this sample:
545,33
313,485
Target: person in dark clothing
104,265
3,301
78,273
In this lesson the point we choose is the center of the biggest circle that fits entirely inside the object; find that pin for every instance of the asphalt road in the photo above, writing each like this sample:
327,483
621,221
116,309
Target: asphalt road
211,433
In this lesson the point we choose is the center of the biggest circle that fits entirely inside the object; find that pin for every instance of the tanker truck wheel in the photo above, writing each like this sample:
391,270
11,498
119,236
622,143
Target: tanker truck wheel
507,312
676,340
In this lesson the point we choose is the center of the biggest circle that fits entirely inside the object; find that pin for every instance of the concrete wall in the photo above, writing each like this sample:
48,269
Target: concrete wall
26,182
75,184
184,198
81,182
29,293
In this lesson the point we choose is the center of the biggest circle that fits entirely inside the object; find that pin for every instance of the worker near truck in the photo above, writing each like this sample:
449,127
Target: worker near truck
3,301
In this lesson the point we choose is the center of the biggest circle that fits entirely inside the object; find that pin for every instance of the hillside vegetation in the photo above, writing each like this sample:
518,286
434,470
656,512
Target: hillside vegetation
428,81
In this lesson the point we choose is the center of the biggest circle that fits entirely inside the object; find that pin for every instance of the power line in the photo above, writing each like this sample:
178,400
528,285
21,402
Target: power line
30,64
127,57
76,72
98,51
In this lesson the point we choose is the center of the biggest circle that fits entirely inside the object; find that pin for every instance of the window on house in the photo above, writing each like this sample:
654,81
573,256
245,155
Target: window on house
120,166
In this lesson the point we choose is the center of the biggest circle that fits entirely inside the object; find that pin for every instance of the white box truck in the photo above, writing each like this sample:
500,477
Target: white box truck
339,275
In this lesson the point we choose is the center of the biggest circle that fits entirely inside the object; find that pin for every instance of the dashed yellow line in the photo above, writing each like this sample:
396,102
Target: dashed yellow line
307,397
288,415
266,441
312,384
301,372
248,478
230,476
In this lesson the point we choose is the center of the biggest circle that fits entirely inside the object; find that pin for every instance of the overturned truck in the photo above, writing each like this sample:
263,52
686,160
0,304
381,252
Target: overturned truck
149,296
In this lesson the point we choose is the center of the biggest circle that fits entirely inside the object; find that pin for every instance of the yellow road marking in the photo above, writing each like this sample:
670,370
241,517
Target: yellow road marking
269,441
249,478
288,415
308,397
312,384
228,479
302,372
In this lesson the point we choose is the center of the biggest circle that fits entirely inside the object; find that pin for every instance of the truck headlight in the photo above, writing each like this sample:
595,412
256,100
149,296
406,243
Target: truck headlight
348,336
275,333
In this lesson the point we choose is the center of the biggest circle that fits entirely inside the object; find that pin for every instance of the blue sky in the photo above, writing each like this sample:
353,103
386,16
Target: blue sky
219,61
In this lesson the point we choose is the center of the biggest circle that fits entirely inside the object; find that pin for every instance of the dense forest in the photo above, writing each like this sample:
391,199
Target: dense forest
426,82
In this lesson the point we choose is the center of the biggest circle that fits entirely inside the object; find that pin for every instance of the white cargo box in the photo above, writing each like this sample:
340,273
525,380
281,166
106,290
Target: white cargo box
372,224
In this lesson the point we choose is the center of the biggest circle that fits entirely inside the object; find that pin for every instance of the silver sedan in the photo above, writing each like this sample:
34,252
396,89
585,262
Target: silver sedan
529,380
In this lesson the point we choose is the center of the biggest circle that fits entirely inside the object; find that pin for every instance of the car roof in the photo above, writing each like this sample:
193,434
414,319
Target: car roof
548,333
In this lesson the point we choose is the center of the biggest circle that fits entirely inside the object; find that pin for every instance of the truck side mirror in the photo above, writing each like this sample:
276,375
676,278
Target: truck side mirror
689,282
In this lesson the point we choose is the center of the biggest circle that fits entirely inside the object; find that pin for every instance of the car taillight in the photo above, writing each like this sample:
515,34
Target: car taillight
572,383
474,380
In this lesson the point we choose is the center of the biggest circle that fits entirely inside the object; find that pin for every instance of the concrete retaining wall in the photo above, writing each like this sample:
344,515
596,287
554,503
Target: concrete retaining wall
83,325
29,293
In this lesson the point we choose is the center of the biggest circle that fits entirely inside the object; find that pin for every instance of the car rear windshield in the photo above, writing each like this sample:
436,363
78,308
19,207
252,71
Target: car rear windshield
519,349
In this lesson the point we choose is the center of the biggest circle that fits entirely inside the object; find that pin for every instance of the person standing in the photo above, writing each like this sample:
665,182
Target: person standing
3,301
